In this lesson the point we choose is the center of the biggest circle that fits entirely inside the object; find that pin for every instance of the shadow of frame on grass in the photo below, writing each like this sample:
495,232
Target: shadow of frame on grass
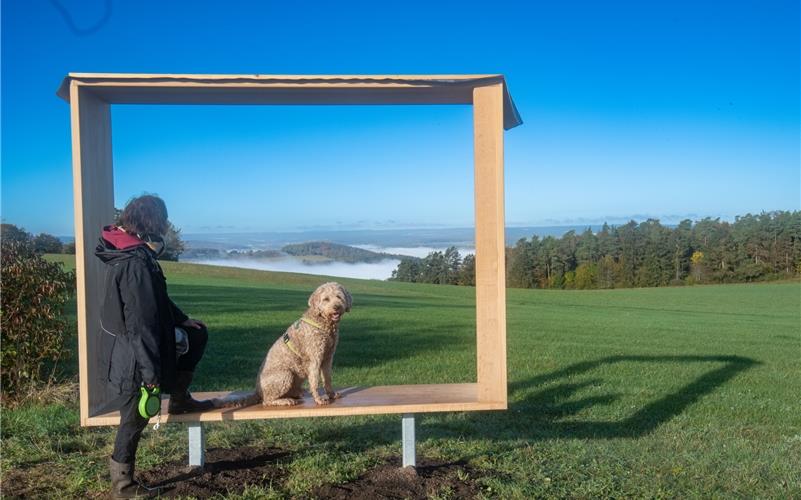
643,421
538,416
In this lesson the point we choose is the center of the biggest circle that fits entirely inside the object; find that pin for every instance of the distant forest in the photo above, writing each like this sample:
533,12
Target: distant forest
753,248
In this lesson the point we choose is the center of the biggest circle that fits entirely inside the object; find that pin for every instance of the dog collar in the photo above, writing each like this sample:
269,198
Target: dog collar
312,323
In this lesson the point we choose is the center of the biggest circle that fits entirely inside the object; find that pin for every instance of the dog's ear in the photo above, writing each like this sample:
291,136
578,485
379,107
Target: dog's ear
313,298
348,299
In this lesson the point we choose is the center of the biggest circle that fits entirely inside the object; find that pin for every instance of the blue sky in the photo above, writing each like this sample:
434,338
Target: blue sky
666,109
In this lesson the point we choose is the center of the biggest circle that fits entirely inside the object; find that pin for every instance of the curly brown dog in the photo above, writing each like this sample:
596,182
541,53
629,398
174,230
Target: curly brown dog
304,351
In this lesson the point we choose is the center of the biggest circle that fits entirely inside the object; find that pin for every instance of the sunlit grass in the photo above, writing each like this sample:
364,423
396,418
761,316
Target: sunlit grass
669,392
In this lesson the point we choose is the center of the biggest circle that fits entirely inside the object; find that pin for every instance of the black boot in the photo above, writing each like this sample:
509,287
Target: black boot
123,484
180,399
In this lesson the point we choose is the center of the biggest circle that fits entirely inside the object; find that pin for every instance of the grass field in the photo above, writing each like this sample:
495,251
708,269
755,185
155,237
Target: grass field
663,392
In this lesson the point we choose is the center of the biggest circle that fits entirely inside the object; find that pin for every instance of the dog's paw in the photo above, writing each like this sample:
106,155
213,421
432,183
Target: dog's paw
334,395
322,400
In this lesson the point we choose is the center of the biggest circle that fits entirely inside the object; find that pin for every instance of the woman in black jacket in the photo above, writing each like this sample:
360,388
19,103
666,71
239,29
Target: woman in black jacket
138,337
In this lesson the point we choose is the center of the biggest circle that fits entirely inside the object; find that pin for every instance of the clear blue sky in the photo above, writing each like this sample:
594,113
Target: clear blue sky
665,109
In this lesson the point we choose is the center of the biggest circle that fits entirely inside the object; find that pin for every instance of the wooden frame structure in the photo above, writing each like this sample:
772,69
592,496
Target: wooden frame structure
91,95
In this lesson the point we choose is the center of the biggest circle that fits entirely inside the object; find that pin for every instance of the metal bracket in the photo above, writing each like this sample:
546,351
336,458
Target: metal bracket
408,439
197,445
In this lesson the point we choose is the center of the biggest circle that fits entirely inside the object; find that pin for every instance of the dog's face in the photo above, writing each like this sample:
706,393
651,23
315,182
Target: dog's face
331,300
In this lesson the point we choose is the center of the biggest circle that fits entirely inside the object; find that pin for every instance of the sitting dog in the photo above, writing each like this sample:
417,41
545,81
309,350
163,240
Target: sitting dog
304,351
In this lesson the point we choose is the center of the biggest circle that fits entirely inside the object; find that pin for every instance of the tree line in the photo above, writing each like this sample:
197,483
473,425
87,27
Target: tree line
646,254
47,243
442,268
41,243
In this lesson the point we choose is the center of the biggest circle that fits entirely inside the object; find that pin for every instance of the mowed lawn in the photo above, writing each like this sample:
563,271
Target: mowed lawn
663,392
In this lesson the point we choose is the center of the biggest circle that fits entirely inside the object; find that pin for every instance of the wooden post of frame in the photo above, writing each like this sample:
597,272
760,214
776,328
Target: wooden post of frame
490,245
93,190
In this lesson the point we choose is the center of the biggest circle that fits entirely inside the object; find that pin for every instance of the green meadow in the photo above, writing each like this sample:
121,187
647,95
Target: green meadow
660,392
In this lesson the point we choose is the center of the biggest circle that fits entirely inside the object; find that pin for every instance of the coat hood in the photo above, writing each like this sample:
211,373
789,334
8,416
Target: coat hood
115,245
119,239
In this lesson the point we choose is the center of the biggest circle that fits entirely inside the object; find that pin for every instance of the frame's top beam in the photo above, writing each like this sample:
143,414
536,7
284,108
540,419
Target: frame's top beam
122,88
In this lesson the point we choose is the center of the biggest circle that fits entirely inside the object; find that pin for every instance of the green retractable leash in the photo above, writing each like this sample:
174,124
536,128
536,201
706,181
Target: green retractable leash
150,404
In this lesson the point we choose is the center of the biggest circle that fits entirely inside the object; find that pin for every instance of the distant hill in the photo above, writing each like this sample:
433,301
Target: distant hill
255,254
310,251
413,237
335,251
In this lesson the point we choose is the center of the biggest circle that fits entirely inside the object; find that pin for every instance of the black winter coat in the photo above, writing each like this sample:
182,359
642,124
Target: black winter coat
137,320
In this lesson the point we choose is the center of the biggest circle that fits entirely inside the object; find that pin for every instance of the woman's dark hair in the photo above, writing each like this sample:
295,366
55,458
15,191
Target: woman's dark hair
146,214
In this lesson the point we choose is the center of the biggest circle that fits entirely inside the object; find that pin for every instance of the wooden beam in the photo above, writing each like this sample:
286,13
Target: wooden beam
132,88
490,245
265,94
93,191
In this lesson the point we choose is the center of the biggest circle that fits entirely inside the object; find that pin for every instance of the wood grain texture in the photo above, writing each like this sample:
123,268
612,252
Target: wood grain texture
93,192
355,401
490,244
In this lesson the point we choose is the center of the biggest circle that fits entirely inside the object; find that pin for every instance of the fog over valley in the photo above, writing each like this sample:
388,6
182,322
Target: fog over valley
363,254
380,270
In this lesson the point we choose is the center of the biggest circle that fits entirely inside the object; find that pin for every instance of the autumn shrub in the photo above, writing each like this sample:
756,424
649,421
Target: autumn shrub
33,292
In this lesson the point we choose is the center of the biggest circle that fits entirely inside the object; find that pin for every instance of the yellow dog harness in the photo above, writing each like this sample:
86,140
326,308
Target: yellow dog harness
296,325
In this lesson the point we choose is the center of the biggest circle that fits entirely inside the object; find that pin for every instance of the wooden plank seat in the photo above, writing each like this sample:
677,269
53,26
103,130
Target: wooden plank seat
391,399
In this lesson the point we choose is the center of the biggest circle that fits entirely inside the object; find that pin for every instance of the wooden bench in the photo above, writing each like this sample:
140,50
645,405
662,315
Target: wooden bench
387,399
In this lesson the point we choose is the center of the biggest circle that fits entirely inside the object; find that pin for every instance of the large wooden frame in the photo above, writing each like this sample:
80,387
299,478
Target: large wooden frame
91,96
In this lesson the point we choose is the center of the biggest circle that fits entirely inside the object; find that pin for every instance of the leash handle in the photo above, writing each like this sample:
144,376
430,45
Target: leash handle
149,401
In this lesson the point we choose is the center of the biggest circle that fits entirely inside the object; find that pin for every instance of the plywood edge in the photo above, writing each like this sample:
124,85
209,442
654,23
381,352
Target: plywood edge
80,296
64,90
261,76
150,79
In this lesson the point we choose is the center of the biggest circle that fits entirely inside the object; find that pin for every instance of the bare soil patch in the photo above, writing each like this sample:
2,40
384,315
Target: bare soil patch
230,471
429,479
226,471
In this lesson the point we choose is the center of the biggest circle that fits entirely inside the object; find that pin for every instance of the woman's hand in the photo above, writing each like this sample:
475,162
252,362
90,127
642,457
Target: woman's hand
193,323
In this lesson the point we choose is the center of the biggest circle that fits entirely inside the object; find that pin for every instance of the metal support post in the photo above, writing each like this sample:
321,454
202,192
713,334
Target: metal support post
408,438
197,445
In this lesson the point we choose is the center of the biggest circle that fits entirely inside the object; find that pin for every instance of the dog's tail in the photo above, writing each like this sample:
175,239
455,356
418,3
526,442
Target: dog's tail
238,399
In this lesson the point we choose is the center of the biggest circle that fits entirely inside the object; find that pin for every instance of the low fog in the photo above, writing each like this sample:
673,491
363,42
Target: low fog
380,270
420,252
374,270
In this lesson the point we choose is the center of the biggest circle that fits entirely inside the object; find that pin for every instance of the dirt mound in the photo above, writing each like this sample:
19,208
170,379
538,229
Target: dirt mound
226,471
232,470
449,480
